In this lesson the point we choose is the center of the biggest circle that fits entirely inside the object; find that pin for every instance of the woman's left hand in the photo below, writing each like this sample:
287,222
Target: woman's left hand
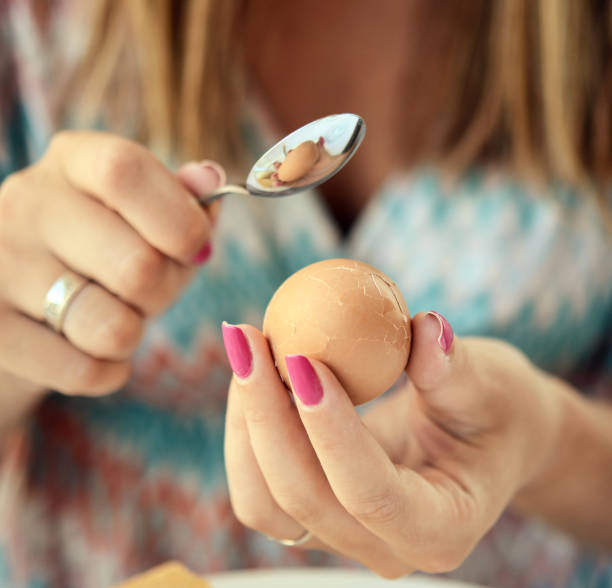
417,481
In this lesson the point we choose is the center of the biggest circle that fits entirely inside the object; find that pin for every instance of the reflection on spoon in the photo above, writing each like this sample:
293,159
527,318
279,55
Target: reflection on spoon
298,162
302,166
304,159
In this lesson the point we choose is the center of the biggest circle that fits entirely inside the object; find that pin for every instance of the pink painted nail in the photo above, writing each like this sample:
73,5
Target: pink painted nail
446,337
237,350
304,380
203,255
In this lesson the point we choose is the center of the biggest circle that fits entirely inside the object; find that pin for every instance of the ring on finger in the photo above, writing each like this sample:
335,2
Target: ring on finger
59,297
305,536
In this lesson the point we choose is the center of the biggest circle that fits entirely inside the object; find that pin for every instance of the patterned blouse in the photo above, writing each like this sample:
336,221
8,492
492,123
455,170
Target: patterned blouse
97,489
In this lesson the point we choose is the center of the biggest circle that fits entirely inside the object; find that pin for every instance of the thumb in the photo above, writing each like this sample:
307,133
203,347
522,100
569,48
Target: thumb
448,381
434,349
201,179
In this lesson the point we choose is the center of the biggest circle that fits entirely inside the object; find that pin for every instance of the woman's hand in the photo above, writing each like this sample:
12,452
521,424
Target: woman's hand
417,481
106,209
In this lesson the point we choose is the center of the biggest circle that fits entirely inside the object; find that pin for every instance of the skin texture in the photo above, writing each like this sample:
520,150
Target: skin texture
105,208
419,480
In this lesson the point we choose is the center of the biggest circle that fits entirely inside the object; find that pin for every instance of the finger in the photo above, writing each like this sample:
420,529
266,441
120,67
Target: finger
251,500
129,179
266,381
200,184
103,326
99,244
96,322
388,420
201,179
467,412
30,350
456,388
431,352
411,512
287,461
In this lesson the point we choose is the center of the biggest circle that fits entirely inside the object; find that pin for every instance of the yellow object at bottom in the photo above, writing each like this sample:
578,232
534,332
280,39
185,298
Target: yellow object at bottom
168,575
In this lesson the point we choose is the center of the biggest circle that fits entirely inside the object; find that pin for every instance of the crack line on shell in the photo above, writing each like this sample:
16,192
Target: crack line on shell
316,279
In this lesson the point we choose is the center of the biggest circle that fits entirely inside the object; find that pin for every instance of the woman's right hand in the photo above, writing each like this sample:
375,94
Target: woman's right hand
106,209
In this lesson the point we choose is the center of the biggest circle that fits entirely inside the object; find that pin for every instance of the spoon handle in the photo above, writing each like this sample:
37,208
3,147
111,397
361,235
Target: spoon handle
224,191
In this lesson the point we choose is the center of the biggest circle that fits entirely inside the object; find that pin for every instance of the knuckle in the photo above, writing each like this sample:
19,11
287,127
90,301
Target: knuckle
122,166
12,182
391,570
59,140
88,375
256,416
94,376
141,271
441,562
120,333
249,517
192,236
298,508
119,379
380,508
252,516
11,193
330,444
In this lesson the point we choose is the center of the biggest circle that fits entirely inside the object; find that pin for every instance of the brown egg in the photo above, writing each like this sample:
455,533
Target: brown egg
347,314
298,161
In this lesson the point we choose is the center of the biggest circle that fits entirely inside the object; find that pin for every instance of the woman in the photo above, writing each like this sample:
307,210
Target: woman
508,106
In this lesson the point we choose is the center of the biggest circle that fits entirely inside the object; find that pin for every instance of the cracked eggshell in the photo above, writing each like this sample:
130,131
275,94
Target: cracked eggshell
347,314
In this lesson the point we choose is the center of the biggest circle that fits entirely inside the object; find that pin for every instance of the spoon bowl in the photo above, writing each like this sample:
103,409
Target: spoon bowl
331,141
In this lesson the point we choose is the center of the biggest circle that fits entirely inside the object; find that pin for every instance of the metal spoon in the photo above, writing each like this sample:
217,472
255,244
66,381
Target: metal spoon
337,137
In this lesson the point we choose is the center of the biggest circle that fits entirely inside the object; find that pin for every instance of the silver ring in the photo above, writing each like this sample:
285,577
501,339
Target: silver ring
58,299
294,542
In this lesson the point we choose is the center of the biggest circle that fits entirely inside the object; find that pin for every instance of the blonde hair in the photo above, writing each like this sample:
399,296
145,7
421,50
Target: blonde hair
178,60
529,81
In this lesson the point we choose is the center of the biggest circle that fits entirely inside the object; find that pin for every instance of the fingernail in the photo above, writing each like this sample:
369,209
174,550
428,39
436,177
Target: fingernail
203,177
203,255
446,336
237,350
214,170
304,380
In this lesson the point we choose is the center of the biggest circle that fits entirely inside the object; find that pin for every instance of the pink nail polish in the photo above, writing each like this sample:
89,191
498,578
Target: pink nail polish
203,255
446,337
304,380
237,350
